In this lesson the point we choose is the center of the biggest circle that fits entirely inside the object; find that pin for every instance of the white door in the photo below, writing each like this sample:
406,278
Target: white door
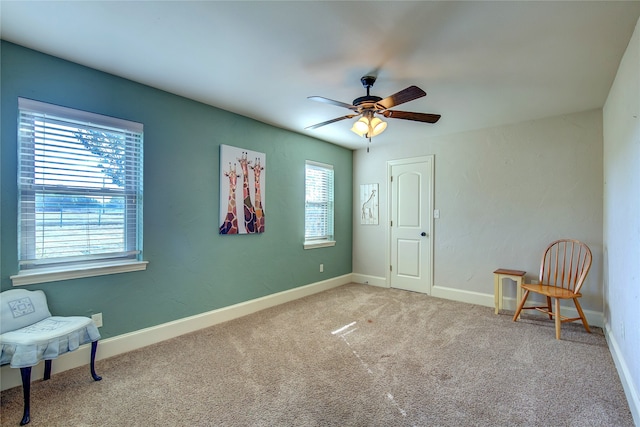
411,219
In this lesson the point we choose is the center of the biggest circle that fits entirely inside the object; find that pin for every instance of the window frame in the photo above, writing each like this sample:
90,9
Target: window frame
327,239
33,268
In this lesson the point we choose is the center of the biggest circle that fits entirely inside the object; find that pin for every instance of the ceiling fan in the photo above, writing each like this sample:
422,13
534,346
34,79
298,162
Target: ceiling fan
368,106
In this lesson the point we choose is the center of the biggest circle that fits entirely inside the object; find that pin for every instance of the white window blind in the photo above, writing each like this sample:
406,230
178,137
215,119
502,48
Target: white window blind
318,212
79,185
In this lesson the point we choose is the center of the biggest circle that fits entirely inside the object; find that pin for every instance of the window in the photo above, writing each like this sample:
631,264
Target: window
80,193
318,207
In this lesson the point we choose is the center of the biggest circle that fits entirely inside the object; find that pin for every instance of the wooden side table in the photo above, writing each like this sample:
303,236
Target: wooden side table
503,273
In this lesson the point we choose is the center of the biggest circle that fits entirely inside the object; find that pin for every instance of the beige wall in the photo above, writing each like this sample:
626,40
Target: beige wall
621,118
503,193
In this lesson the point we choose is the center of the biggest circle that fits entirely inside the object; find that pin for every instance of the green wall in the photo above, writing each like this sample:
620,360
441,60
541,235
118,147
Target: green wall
192,269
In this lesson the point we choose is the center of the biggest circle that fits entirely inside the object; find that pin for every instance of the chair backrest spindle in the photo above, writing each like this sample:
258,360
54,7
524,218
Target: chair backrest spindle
565,264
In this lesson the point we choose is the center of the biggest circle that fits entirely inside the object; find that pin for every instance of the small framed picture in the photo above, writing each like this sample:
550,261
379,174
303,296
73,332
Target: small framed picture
369,204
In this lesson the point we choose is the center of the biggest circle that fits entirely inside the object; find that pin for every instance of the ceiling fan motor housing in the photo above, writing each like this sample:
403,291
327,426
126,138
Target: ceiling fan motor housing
368,99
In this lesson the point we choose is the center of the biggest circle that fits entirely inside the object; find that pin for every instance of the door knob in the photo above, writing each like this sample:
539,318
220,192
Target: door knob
423,234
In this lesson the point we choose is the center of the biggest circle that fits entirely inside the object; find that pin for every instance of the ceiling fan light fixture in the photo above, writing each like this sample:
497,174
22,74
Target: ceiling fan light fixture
361,126
368,126
377,126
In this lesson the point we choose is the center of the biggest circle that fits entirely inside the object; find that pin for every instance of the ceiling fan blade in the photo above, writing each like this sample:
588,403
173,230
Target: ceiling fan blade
332,102
405,95
416,117
348,116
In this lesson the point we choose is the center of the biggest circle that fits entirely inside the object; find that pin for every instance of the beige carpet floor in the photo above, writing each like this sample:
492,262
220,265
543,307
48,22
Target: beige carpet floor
356,355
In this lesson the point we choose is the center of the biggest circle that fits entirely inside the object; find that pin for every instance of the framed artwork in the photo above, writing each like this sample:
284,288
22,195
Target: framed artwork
369,204
242,189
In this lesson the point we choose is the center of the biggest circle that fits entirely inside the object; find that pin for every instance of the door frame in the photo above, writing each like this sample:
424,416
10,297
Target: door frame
390,164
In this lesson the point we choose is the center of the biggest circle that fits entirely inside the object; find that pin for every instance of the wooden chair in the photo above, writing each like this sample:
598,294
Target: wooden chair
30,334
564,267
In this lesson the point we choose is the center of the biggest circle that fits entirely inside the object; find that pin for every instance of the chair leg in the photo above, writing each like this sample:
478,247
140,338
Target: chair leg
558,318
94,348
519,309
47,370
581,313
549,311
25,373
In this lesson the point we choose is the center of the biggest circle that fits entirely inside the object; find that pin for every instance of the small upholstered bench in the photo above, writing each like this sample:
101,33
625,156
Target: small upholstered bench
30,334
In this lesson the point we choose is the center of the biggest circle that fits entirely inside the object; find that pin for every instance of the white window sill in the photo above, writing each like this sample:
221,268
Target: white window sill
43,275
319,244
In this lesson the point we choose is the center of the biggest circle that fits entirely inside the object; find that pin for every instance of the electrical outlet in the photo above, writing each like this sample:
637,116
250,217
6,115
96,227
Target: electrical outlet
97,319
321,268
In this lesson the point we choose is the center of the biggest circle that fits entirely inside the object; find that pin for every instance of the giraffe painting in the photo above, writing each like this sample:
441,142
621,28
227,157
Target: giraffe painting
260,215
249,210
248,194
230,223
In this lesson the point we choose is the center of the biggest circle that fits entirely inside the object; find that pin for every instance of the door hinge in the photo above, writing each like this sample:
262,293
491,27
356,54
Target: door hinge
391,178
391,268
392,223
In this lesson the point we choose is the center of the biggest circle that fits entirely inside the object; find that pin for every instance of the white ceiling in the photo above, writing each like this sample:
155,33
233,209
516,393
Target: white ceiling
481,63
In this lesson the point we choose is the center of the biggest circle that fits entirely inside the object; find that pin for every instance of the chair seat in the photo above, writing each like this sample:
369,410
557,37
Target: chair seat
46,339
551,291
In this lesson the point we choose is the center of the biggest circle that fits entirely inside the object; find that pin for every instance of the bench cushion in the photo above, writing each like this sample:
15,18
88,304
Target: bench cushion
46,339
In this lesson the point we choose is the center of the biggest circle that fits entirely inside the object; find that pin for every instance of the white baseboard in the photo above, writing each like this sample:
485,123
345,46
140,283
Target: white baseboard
463,296
630,390
595,318
370,280
120,344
